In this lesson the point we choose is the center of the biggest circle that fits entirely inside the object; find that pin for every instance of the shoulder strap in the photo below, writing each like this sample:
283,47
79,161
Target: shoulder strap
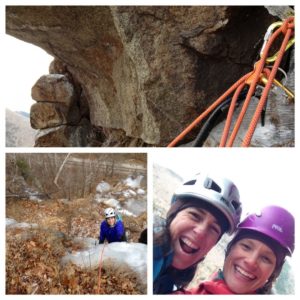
118,217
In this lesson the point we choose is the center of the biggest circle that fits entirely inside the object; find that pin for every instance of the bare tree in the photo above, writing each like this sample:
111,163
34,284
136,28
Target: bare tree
60,169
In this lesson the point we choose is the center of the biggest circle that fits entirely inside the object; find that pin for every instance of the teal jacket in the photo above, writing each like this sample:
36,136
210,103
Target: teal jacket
162,281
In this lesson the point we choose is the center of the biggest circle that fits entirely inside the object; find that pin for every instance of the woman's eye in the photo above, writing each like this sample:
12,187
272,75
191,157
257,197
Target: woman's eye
195,215
215,229
245,246
266,259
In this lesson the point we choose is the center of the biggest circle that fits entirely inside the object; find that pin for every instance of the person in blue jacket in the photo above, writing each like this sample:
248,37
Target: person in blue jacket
202,209
112,228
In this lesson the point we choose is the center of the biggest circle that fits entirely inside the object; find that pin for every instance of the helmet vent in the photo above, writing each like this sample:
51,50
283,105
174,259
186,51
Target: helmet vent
211,185
235,204
191,182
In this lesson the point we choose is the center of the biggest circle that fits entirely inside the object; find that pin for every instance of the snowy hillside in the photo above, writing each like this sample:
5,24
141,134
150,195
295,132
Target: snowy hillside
18,130
165,183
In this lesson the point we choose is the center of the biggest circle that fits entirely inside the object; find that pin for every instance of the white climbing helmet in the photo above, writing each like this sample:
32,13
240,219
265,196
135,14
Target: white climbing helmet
109,213
220,192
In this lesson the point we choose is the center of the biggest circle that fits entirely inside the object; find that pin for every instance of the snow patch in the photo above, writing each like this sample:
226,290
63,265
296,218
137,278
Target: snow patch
11,223
103,187
133,255
35,198
126,212
111,202
137,207
141,192
129,193
133,182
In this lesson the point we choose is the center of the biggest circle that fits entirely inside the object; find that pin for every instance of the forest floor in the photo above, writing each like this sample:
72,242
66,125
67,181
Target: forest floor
33,254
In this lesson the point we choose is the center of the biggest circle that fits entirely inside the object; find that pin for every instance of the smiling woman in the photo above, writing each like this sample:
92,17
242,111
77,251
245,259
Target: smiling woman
240,269
255,256
194,231
202,209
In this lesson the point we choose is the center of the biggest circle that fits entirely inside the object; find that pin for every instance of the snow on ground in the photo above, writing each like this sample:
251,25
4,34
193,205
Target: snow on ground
103,187
125,212
129,193
132,255
127,197
112,202
136,207
35,198
141,191
11,223
133,182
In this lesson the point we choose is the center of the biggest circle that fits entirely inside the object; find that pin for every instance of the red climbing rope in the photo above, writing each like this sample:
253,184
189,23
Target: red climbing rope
252,79
100,269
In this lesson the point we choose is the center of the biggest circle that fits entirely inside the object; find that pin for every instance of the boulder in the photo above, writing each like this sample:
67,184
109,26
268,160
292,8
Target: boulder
47,115
53,88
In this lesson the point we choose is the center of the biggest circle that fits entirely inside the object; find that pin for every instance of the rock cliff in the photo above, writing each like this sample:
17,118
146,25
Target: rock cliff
136,75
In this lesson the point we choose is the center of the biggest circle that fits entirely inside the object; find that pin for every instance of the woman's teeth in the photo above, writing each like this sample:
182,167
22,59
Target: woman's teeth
188,246
244,273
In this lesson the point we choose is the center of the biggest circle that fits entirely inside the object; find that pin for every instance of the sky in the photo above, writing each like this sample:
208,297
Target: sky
263,176
23,65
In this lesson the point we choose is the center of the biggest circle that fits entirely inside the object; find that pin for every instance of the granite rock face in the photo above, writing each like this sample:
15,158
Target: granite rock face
53,88
144,72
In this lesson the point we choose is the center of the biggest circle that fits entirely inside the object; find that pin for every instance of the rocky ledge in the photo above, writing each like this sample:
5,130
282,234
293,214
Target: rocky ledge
136,75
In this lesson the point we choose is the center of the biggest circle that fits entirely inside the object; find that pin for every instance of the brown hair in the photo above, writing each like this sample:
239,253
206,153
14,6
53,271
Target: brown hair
162,238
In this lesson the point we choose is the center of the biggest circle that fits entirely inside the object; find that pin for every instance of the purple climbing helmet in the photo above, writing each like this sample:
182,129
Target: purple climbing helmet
276,223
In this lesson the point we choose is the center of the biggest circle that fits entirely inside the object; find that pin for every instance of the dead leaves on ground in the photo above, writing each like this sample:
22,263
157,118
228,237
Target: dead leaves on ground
33,255
32,267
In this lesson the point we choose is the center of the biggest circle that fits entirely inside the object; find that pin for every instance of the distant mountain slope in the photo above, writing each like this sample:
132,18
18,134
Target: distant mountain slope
23,113
18,130
165,183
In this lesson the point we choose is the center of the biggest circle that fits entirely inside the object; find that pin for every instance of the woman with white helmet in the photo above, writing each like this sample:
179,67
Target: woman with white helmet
111,229
255,256
202,209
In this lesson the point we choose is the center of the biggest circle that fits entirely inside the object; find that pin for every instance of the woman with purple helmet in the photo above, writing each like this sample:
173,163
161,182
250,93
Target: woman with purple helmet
255,256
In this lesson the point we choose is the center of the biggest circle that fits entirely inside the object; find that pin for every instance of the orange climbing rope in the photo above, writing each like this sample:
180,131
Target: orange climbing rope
287,29
258,75
100,269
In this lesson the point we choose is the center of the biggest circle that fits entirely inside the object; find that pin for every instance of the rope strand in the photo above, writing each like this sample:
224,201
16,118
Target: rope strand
252,79
100,269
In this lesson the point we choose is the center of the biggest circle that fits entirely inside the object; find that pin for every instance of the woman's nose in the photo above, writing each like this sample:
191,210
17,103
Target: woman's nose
251,259
200,228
